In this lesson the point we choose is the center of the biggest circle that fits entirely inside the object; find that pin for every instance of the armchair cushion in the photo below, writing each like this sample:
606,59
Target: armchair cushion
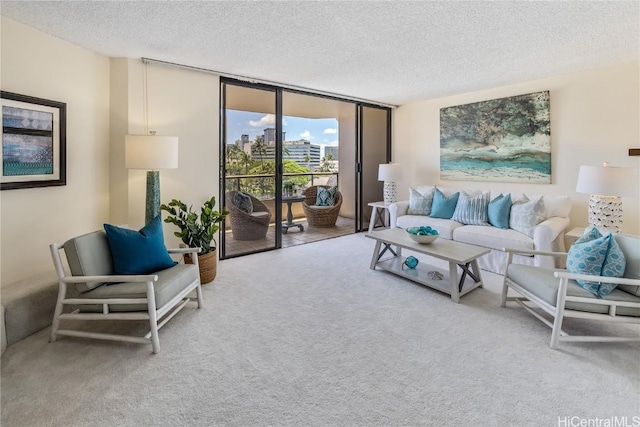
542,283
89,255
243,202
326,196
170,282
138,252
597,255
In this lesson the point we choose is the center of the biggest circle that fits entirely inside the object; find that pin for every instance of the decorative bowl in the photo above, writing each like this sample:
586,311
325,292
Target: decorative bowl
423,234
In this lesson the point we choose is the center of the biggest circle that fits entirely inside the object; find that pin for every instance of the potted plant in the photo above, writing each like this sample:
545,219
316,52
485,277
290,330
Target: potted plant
198,231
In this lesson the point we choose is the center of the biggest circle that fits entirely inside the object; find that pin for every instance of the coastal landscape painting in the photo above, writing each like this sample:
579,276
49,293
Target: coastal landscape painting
500,140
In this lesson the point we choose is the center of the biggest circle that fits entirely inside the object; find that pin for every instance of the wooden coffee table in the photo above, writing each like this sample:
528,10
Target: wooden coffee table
459,255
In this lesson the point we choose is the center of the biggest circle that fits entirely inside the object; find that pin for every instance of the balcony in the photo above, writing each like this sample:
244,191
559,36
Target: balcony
262,187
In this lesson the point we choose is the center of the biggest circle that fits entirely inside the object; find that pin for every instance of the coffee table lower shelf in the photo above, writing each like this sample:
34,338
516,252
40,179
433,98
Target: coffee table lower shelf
420,275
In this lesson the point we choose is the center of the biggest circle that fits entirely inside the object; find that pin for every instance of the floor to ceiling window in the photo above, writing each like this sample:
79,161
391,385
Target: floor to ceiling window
279,146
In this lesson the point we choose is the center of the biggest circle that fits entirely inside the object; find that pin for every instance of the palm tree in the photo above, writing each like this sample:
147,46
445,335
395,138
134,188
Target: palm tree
259,147
245,160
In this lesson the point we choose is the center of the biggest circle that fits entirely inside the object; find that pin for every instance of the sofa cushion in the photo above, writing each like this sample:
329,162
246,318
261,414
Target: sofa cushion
472,210
598,255
499,210
557,206
443,206
541,282
630,246
170,283
89,255
419,203
526,214
445,227
492,238
138,252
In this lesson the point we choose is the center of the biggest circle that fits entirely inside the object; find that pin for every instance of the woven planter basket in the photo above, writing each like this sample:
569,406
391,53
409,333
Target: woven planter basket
207,264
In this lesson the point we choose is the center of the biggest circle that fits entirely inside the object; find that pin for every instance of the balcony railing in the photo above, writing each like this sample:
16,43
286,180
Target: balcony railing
262,186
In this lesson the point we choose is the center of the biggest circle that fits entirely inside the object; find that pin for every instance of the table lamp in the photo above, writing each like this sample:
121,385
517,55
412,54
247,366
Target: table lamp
150,153
390,173
607,185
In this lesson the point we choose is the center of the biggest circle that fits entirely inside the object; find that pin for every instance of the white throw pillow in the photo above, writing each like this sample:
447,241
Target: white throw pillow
526,214
419,203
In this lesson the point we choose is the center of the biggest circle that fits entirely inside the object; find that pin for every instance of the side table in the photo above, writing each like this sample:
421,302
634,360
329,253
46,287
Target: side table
289,200
379,214
572,236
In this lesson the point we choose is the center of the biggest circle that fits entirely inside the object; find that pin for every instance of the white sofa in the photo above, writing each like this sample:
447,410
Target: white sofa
547,235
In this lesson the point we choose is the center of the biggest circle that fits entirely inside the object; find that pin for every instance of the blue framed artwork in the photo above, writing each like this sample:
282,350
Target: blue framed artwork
500,140
33,142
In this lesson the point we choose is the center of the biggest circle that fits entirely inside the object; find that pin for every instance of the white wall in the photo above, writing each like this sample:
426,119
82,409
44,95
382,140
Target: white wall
39,65
595,117
181,103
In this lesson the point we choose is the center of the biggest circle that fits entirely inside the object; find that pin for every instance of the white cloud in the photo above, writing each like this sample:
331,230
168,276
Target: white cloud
330,130
269,119
306,135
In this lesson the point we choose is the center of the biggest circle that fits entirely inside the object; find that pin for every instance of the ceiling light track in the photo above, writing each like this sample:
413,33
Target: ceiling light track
260,81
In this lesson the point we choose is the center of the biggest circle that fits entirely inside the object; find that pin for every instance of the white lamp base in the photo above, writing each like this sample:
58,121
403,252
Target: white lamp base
605,212
390,192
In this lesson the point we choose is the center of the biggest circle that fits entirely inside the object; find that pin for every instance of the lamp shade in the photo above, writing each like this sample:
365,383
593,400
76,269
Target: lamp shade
607,180
151,152
390,172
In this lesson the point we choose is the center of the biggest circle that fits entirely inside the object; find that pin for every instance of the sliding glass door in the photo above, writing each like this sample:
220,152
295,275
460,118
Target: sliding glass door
278,146
375,127
249,178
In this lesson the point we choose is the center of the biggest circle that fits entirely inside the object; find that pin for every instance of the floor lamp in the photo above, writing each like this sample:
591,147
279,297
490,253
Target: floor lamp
150,153
390,173
607,185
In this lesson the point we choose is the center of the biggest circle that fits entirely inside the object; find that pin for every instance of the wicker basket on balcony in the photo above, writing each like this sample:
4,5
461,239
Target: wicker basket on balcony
320,216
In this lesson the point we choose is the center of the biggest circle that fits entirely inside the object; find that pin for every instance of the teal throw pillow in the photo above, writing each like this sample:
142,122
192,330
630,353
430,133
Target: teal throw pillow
443,206
243,202
597,255
419,204
326,196
499,210
138,252
472,210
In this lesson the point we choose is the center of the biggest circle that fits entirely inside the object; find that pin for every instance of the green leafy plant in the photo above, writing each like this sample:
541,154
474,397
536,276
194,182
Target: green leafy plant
196,231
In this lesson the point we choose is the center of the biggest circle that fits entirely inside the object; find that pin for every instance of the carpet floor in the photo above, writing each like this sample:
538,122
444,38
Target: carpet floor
310,336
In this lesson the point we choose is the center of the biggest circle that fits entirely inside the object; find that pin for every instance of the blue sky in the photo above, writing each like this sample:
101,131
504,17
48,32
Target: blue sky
317,131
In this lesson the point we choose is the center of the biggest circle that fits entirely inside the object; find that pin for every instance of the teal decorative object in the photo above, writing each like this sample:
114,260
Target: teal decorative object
411,262
423,234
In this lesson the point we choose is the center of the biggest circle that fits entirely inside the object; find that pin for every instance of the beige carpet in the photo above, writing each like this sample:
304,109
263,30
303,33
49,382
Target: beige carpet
310,336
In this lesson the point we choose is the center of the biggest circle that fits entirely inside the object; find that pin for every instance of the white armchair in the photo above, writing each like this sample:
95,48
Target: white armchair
556,293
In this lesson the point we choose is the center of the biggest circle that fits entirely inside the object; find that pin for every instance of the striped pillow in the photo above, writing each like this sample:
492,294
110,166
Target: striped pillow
472,210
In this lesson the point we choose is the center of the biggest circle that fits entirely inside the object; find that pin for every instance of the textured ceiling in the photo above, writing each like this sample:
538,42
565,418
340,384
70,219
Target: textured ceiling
390,52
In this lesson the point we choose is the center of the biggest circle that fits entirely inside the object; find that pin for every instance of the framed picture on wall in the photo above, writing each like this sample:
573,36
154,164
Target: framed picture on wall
33,142
501,140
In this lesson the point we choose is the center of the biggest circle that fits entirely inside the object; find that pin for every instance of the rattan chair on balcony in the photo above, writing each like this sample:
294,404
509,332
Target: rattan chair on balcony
245,226
320,216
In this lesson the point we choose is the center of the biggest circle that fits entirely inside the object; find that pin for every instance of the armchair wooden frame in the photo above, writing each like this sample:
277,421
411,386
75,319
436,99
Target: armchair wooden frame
157,316
560,311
